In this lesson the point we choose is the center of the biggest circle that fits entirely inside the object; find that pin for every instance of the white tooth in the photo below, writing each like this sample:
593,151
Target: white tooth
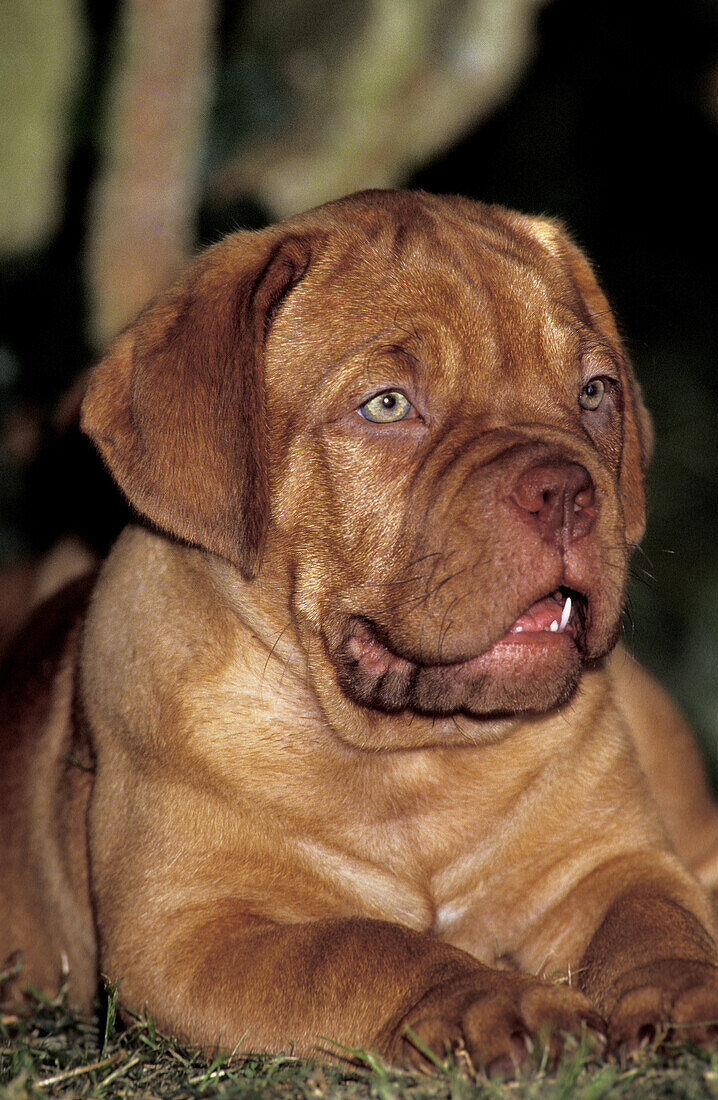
566,615
554,626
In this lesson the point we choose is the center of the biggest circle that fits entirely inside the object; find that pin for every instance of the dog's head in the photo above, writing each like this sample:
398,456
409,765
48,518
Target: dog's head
413,415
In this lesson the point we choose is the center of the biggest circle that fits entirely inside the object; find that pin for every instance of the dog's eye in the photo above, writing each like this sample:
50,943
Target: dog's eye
592,394
386,408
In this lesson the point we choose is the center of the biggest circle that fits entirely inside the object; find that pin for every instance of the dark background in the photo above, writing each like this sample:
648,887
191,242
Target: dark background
613,129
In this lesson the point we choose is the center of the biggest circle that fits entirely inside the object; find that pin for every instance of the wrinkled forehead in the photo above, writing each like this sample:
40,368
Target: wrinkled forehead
446,292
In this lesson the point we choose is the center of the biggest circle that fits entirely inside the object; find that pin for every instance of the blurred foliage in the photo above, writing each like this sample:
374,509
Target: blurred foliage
602,115
35,114
344,95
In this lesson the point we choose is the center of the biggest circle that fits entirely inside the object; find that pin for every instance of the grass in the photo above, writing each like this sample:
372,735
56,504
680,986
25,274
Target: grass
50,1051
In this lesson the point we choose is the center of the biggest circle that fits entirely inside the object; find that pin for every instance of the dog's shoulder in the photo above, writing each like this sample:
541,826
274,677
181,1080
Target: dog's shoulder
670,759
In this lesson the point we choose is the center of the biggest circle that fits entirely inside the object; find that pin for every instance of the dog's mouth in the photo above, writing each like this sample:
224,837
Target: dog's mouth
533,665
563,612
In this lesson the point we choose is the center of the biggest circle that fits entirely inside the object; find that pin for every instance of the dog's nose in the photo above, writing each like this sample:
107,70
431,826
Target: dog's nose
559,499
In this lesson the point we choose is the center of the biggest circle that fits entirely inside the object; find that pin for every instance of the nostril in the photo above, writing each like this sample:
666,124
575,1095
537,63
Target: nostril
585,498
558,499
537,503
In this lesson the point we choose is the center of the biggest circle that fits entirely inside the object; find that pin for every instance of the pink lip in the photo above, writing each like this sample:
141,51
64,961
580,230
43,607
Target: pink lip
551,615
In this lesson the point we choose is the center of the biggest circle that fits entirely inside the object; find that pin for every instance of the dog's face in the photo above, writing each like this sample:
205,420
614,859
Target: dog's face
426,407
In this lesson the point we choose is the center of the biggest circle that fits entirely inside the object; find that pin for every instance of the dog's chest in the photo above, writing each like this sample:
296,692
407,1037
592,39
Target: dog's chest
430,869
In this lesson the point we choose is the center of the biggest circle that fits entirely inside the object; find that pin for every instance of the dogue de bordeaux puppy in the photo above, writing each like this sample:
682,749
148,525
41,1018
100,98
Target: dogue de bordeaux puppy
338,751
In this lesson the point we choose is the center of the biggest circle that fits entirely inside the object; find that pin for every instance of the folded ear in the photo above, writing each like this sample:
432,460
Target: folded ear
177,409
637,430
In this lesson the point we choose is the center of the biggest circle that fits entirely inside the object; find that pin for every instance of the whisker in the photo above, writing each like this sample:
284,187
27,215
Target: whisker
644,578
388,584
643,554
445,627
424,557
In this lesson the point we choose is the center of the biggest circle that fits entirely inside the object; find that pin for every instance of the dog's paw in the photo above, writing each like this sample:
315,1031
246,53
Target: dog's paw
496,1025
672,998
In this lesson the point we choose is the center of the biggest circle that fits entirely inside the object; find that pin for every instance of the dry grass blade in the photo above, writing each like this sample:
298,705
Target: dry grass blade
55,1079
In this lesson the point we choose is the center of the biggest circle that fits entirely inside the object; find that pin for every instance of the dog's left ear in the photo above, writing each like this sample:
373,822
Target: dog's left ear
637,430
177,408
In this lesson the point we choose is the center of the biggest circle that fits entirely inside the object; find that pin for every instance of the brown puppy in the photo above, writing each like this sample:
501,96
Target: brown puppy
353,750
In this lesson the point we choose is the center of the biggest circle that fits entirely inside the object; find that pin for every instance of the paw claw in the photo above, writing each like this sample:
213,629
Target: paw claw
649,1014
497,1026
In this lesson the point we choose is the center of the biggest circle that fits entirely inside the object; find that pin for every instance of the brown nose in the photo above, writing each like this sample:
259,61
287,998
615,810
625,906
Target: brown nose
559,499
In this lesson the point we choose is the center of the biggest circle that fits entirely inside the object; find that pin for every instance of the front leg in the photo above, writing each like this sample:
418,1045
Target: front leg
651,965
222,975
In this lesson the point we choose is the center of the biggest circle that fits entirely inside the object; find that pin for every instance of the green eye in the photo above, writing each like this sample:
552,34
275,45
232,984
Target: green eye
592,394
386,408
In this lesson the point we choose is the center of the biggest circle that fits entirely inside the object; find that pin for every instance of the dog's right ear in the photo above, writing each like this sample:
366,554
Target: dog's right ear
177,409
